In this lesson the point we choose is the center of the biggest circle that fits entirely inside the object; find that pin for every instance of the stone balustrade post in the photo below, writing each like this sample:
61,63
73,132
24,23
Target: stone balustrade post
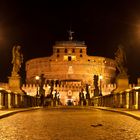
87,102
9,101
127,100
21,100
120,104
52,103
1,100
114,100
6,100
56,103
82,102
16,100
136,100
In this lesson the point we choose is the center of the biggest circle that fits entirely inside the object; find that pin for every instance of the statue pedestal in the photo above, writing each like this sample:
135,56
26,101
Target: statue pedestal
122,84
15,84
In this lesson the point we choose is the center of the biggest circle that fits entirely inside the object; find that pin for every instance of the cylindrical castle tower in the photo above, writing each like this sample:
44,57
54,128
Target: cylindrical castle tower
70,62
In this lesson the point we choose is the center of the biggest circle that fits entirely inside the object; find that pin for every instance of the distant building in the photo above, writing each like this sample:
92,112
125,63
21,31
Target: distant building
70,69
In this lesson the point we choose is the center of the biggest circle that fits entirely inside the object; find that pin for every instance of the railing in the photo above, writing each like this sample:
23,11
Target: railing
129,99
10,99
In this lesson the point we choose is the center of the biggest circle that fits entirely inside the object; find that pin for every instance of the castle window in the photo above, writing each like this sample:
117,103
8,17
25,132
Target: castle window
69,58
57,50
66,50
80,50
73,58
73,50
81,55
57,55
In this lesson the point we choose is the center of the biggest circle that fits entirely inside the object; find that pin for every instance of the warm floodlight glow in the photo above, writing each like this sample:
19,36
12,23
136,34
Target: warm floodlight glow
138,87
37,77
100,77
1,88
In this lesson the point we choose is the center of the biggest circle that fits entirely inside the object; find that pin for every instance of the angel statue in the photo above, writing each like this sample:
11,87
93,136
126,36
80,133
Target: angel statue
120,59
17,60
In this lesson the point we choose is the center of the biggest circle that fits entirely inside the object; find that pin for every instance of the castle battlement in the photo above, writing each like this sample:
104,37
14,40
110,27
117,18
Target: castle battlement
31,89
106,89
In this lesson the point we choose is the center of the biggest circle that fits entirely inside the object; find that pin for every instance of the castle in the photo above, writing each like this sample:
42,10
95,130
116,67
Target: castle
70,69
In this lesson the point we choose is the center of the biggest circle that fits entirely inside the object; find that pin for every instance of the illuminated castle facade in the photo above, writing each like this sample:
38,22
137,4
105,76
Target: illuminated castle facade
69,66
70,62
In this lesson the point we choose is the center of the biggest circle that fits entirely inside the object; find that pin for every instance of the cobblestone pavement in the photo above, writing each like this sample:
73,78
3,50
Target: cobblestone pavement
69,124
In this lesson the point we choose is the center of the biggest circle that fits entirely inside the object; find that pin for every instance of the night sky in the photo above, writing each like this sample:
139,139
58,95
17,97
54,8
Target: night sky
102,24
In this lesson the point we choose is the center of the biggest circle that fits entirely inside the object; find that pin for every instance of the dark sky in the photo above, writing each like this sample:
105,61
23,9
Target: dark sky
37,24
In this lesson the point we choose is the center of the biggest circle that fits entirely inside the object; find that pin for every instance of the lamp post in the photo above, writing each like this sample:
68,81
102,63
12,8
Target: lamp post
37,94
37,79
100,90
87,94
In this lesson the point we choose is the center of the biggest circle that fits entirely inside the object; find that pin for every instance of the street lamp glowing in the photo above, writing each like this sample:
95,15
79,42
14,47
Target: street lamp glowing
37,77
100,77
37,87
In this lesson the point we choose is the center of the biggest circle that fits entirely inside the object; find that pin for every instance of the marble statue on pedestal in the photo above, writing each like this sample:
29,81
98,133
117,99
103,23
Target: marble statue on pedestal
120,60
15,79
122,80
17,60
